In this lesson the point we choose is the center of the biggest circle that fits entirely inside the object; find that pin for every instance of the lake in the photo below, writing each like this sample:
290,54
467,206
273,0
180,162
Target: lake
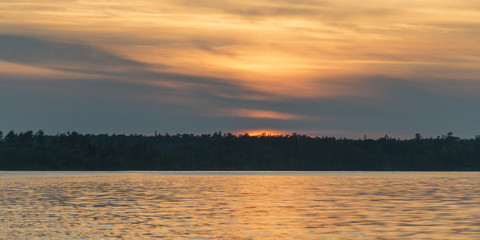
240,205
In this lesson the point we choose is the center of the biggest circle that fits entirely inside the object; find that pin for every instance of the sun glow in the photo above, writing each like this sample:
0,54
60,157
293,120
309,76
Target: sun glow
264,132
265,114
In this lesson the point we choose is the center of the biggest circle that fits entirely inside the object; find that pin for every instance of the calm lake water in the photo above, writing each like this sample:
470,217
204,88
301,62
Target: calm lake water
239,205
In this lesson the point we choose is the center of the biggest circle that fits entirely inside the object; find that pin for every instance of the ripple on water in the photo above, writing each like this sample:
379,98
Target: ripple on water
240,206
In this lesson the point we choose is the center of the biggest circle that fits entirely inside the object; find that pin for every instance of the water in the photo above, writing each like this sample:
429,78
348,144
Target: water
239,205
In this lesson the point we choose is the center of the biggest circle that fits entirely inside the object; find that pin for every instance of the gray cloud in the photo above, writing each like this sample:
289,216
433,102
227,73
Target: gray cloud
143,104
402,109
58,54
78,57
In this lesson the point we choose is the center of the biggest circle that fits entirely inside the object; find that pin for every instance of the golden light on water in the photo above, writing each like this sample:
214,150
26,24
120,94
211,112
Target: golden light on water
239,205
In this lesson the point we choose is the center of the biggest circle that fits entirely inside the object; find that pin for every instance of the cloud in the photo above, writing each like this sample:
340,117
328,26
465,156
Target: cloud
306,66
31,57
22,71
60,55
254,113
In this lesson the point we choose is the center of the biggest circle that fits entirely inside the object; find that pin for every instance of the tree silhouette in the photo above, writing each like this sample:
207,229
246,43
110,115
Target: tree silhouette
218,151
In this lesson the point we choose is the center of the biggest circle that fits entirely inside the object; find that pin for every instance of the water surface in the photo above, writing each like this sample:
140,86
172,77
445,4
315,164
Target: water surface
239,205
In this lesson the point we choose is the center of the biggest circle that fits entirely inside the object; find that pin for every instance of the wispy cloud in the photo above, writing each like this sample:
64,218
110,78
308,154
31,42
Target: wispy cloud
60,55
266,114
289,65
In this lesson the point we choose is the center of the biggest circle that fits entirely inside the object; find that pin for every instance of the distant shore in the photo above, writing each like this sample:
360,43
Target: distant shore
226,152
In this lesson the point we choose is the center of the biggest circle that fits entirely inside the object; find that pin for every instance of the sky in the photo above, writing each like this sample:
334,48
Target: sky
340,68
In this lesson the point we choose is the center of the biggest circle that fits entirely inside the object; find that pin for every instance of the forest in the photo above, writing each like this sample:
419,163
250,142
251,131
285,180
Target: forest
295,152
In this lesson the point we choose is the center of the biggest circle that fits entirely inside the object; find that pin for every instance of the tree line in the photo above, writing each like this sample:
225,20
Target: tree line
74,151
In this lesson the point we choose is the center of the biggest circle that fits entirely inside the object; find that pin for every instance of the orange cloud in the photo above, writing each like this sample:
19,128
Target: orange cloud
23,71
266,114
280,48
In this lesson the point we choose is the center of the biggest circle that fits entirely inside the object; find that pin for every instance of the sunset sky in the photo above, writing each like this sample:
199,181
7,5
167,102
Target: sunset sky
340,68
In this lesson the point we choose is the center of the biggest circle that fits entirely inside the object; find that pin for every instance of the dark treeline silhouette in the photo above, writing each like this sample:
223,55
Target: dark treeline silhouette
74,151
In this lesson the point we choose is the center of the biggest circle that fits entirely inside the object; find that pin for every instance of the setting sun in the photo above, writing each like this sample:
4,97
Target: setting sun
264,132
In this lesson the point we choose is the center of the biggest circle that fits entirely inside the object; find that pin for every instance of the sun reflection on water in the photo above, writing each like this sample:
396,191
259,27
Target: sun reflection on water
240,206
